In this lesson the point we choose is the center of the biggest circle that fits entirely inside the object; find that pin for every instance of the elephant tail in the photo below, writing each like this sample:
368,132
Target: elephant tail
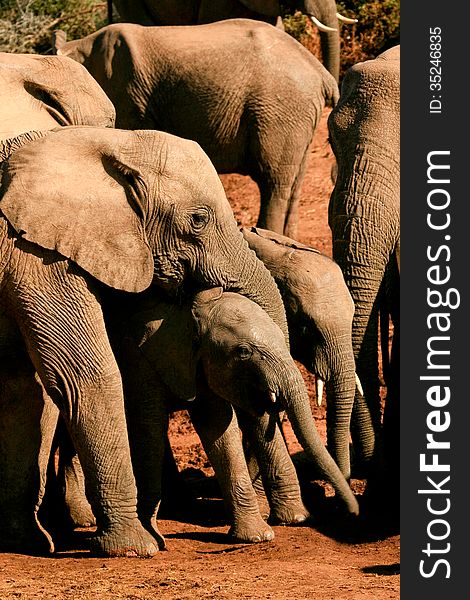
330,89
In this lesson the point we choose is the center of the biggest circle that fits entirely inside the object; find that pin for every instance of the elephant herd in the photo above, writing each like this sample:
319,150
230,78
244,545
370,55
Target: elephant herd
129,291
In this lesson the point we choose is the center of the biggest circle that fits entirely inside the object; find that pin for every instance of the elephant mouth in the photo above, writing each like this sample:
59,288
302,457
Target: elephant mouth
258,402
169,275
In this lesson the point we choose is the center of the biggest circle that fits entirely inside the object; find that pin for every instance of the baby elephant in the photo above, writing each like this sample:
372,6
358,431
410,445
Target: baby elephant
319,313
220,351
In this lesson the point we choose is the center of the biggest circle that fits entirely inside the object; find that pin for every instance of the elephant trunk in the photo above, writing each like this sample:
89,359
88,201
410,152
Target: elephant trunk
325,12
340,391
255,282
365,265
297,405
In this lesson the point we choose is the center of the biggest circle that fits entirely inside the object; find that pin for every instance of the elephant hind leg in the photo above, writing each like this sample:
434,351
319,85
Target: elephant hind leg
292,217
27,423
280,193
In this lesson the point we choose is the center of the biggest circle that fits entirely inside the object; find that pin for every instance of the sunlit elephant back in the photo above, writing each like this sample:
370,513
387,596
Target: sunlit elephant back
323,14
39,93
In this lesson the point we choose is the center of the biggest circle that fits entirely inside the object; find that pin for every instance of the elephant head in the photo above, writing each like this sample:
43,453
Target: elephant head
319,312
246,361
364,217
43,92
168,225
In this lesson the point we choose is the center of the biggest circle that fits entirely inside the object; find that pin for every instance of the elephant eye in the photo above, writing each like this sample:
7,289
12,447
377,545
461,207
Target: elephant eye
199,219
244,352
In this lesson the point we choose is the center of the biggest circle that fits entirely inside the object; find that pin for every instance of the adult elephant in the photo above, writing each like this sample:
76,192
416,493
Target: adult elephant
323,14
39,93
319,311
171,225
364,216
248,93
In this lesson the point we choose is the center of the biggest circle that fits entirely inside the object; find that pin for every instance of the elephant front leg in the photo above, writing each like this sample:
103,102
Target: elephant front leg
147,422
67,342
217,426
268,451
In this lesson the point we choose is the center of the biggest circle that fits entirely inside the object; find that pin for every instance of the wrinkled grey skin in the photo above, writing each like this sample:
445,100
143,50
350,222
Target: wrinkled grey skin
248,93
60,249
227,352
220,341
39,93
197,12
319,312
364,216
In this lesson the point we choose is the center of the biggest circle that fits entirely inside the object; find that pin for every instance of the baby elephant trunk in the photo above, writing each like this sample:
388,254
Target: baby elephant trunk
297,405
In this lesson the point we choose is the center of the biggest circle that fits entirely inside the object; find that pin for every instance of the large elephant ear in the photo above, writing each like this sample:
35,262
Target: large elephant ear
75,191
202,305
277,238
166,336
268,8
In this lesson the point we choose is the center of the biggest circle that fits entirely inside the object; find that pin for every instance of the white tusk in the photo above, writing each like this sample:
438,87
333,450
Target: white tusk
346,19
272,396
359,385
319,389
320,25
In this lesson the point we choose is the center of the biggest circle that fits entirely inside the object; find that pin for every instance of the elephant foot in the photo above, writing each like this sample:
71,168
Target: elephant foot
291,513
130,540
81,515
251,531
263,505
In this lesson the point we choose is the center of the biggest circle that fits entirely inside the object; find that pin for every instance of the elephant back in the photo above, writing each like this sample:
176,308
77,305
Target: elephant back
43,92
